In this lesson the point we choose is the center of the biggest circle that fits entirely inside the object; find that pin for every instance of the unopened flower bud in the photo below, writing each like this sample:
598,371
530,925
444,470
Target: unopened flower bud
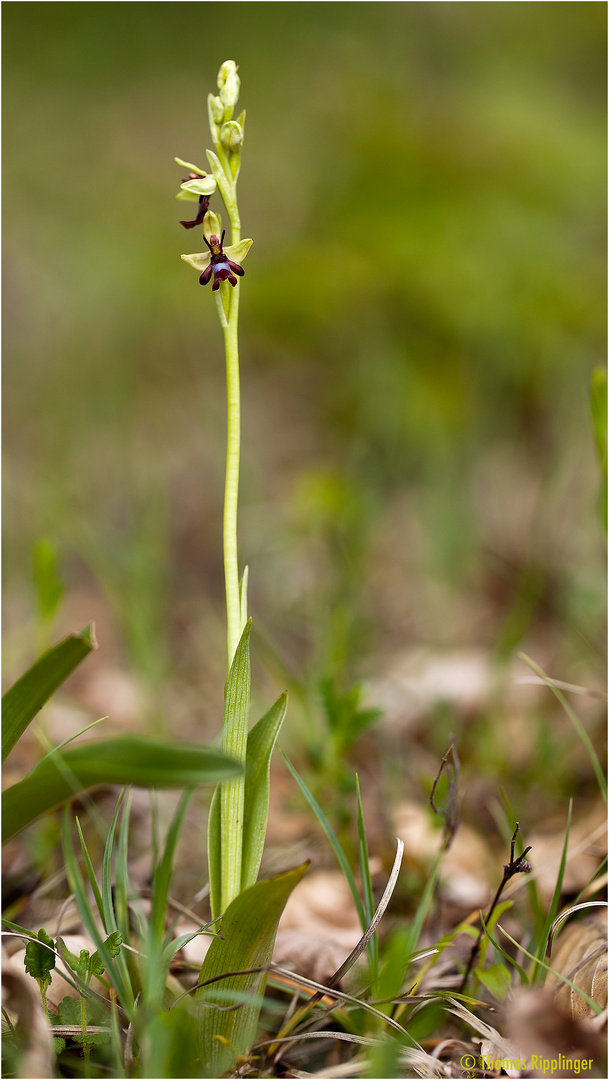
231,136
229,83
217,108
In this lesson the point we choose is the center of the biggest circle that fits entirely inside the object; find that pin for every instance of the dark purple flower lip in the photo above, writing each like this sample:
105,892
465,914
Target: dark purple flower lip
222,268
203,205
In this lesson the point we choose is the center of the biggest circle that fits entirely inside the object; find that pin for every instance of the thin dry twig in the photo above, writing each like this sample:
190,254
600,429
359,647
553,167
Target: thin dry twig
451,815
515,866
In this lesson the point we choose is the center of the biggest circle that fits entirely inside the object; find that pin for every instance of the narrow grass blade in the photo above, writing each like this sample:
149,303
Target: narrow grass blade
488,926
162,874
577,724
551,915
50,749
157,966
260,743
116,1043
130,759
115,971
367,889
423,907
175,944
27,696
92,879
333,839
114,892
119,895
510,959
596,1008
249,926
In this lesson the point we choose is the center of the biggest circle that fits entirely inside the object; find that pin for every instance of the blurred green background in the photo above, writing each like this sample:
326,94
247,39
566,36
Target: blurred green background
422,310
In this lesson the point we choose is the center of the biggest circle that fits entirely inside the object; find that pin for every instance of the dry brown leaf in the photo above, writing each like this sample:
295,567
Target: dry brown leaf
21,999
587,847
551,1043
319,926
469,869
418,679
581,956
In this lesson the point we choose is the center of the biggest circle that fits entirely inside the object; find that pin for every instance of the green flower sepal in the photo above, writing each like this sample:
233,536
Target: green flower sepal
197,184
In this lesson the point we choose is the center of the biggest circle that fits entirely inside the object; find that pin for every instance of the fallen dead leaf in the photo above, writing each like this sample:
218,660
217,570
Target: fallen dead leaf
470,871
552,1043
587,847
581,956
416,680
319,926
23,1005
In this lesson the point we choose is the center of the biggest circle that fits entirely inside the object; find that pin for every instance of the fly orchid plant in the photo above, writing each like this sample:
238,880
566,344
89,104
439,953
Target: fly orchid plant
238,815
232,867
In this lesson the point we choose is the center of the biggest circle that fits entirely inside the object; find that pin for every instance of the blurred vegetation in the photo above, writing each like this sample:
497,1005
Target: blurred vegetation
423,308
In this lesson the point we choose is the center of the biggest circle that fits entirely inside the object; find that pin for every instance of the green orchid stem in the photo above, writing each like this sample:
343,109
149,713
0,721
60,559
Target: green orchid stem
234,736
231,485
226,821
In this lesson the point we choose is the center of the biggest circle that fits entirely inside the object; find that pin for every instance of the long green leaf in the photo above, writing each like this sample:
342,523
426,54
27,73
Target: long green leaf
248,931
214,854
130,759
232,793
260,743
27,696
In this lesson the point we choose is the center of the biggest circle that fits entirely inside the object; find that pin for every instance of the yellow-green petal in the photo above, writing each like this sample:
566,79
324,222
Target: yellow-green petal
188,165
198,261
237,252
204,185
